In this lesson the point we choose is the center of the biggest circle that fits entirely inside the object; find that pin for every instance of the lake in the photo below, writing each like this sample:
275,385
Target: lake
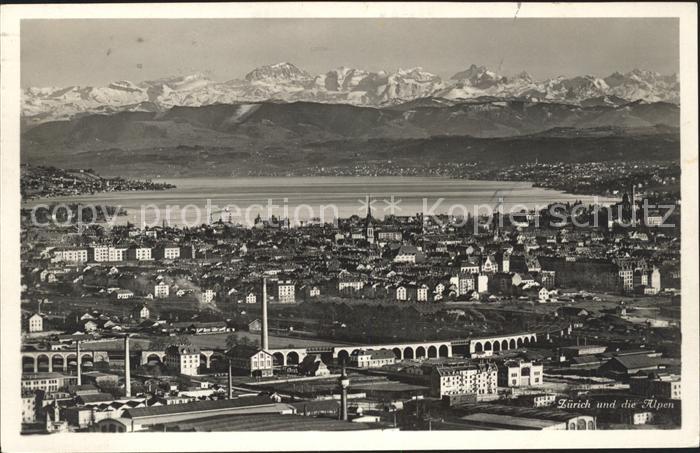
241,199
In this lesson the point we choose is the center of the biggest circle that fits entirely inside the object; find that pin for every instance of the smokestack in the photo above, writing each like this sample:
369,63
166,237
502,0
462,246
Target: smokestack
230,380
77,343
265,345
344,384
127,365
634,206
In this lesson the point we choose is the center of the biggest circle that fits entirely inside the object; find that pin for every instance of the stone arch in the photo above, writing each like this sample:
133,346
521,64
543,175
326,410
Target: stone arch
581,424
572,426
60,363
408,353
504,345
478,347
533,339
511,345
443,351
204,361
28,363
153,357
43,363
343,356
526,341
86,359
487,346
278,359
217,362
398,353
496,346
420,352
72,360
292,358
519,343
591,425
432,352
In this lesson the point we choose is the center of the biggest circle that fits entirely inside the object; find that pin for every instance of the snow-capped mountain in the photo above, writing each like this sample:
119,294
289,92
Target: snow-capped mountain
286,82
280,73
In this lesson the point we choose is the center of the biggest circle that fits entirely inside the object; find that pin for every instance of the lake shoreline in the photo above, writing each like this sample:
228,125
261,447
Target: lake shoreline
241,200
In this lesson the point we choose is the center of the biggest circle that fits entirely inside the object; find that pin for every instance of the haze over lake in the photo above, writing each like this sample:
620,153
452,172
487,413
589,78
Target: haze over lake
305,198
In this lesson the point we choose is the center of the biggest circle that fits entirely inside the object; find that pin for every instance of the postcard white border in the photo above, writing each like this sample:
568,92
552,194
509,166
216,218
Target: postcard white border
9,235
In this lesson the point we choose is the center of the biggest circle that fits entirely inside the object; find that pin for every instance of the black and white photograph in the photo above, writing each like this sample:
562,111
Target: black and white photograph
386,220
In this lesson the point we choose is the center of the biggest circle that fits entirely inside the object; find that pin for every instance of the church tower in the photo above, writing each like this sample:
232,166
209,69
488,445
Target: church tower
369,227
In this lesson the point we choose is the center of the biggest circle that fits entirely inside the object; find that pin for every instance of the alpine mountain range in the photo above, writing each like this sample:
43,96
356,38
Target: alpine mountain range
281,119
285,82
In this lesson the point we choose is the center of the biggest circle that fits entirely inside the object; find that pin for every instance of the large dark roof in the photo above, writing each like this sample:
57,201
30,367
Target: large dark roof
182,349
264,422
244,351
516,411
197,406
97,397
637,361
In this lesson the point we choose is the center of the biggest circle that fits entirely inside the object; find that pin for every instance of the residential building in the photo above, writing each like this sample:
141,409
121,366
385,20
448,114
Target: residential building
139,253
141,312
29,406
467,283
98,253
48,382
117,253
372,359
208,296
71,255
482,285
286,293
161,290
123,294
547,279
479,379
166,252
345,284
35,323
422,293
251,359
184,359
312,365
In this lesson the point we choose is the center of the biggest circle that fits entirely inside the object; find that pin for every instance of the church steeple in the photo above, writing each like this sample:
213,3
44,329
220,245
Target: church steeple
369,229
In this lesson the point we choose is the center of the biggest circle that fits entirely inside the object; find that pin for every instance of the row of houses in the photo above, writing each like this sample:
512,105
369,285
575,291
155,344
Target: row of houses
106,253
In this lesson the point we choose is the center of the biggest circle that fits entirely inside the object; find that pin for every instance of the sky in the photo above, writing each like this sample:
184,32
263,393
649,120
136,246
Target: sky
99,51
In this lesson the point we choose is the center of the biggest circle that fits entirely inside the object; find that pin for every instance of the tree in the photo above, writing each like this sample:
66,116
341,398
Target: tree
159,344
245,341
231,341
183,340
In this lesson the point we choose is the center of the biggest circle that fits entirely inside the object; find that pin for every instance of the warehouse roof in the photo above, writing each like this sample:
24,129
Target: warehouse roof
198,406
264,422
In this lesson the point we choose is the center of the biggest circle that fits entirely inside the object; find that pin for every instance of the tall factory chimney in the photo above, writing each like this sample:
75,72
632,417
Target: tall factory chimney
344,384
634,205
265,345
230,380
77,352
127,366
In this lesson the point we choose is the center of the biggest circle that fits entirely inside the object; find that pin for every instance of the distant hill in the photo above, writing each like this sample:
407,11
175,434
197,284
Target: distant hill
222,138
